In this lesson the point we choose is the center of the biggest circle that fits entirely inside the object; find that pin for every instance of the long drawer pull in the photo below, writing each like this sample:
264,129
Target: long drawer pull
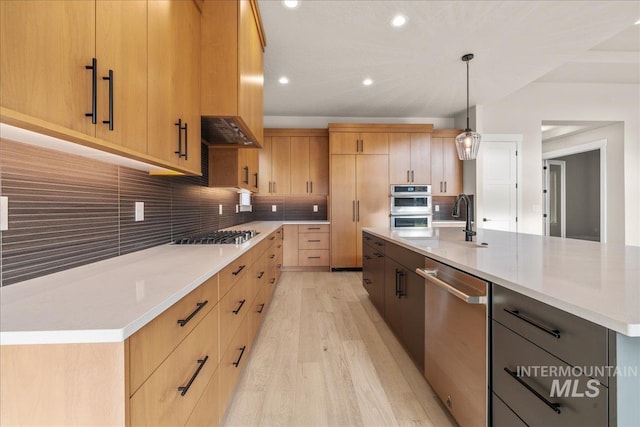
237,310
183,322
184,389
272,256
272,281
272,238
430,275
367,257
367,281
237,362
553,332
94,90
260,275
261,308
552,405
317,228
313,257
235,273
314,241
379,255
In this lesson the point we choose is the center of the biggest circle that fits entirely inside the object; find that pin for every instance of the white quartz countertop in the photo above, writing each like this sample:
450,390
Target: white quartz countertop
597,282
108,301
311,222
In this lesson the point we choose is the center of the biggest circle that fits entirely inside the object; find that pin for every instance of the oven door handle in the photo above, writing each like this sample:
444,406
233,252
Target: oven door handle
430,275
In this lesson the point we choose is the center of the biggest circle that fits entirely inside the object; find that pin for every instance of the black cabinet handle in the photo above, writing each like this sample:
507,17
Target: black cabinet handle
314,241
367,257
514,375
379,255
255,175
313,257
401,275
272,256
318,228
184,389
183,322
260,275
554,332
365,237
272,281
237,362
237,310
186,141
367,281
311,185
280,265
261,308
179,124
235,273
272,238
94,90
379,244
246,175
397,281
110,121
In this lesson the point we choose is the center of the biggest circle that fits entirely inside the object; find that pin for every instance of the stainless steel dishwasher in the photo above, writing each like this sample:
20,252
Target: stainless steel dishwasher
455,362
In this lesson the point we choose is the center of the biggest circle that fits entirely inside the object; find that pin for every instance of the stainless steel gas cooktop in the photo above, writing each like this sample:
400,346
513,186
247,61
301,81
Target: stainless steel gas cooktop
217,237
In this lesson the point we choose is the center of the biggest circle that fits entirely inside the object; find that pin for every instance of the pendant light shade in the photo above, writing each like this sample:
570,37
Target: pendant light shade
468,142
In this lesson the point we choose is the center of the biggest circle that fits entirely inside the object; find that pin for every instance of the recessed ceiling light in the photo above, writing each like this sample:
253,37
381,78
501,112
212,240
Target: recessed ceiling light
283,80
367,82
291,4
399,21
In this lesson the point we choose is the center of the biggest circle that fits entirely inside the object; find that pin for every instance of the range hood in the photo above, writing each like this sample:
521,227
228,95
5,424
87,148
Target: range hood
226,131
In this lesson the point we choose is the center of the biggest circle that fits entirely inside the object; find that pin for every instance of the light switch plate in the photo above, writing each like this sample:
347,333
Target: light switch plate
220,209
237,208
4,213
274,208
139,211
437,208
315,208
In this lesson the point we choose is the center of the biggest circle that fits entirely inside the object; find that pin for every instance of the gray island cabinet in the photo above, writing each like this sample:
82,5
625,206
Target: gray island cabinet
563,329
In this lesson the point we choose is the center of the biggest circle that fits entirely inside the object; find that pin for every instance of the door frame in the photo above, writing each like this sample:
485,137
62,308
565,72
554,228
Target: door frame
563,199
517,138
583,148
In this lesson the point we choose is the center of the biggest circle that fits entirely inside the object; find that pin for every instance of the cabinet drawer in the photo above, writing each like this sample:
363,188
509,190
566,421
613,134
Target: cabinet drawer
411,260
319,228
233,309
162,399
258,310
502,415
568,337
259,276
587,407
152,344
313,241
375,242
233,272
207,412
232,362
313,257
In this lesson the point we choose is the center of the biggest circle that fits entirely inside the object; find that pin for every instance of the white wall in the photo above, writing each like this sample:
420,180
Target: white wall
322,122
614,135
523,112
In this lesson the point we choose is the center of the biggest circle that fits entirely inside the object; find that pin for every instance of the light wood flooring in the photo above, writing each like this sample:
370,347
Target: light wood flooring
325,357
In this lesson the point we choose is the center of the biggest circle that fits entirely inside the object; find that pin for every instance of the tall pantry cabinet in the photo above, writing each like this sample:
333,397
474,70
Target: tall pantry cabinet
359,188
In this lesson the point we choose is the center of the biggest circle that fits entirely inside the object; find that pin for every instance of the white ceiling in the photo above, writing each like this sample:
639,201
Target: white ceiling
326,48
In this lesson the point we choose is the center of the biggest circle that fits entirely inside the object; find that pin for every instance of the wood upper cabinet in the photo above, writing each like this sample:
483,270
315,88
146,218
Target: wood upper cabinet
45,47
121,50
359,143
410,158
275,162
264,162
174,69
232,52
446,168
310,164
233,167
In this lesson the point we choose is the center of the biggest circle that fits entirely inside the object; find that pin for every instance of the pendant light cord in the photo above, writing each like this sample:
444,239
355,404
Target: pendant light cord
468,128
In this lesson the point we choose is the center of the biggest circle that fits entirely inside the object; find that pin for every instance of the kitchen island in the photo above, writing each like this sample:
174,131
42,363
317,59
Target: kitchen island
593,288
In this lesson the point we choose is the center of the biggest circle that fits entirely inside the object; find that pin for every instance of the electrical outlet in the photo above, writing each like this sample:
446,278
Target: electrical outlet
220,209
237,208
315,208
139,211
4,213
437,208
274,208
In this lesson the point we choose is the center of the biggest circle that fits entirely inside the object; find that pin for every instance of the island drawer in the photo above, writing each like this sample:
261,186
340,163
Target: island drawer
502,415
152,344
568,337
406,257
374,241
540,388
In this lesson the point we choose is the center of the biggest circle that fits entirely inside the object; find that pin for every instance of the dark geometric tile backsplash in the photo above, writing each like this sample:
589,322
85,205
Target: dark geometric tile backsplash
289,208
66,211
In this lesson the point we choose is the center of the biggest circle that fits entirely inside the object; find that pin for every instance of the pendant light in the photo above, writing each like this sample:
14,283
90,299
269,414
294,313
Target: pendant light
468,141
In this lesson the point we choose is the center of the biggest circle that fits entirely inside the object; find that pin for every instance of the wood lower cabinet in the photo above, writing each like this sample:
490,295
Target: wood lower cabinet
306,247
179,369
359,198
446,168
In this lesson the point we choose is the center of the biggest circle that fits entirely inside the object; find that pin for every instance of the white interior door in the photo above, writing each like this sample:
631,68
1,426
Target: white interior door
555,198
499,186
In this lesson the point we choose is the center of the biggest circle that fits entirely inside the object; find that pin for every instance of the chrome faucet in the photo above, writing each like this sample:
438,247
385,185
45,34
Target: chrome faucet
468,231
